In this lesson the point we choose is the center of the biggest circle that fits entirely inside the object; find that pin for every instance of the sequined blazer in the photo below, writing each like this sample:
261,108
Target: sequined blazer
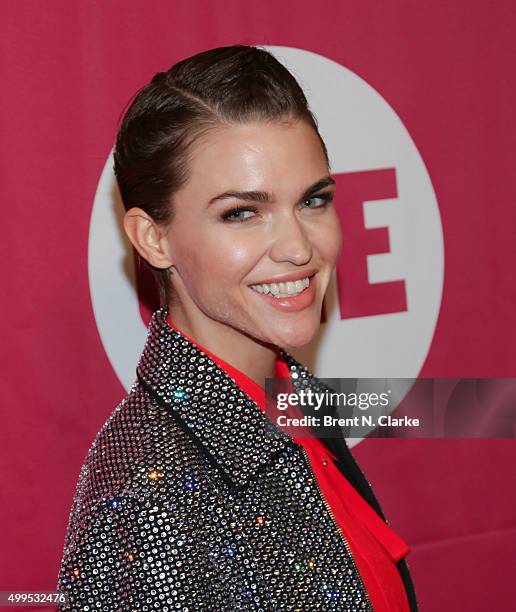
191,498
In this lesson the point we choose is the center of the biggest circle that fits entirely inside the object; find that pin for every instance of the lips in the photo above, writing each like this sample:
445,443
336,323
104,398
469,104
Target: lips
293,276
291,303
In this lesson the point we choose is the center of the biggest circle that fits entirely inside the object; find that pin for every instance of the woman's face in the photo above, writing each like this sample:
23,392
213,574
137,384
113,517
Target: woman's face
219,253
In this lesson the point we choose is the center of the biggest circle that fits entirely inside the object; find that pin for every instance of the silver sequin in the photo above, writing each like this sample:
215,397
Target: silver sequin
192,499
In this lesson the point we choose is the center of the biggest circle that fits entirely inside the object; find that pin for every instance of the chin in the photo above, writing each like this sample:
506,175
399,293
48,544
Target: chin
296,337
289,346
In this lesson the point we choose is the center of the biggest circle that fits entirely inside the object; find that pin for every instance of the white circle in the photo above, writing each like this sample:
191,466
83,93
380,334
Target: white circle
362,132
113,280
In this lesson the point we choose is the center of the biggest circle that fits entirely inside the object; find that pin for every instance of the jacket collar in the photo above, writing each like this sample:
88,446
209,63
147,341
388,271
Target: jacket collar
231,430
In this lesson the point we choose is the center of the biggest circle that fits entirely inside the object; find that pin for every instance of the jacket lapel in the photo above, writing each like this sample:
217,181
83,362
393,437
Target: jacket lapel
234,434
232,431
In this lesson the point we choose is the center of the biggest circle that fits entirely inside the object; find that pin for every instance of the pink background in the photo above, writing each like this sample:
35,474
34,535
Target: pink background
67,71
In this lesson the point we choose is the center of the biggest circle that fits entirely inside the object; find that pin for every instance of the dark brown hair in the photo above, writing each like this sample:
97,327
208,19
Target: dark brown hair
226,85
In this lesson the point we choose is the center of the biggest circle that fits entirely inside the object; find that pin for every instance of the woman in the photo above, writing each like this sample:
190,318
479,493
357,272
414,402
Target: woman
191,497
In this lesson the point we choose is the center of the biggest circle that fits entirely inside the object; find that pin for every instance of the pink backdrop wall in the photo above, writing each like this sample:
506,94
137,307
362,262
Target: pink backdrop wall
67,71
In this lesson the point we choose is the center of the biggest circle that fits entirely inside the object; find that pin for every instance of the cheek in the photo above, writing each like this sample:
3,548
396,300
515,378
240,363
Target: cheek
329,240
228,262
218,264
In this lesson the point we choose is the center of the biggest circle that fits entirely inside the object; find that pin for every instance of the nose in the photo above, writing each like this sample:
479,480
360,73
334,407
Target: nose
291,241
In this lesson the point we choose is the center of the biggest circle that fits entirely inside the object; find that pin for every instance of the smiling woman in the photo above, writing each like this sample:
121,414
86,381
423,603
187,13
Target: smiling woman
217,248
191,496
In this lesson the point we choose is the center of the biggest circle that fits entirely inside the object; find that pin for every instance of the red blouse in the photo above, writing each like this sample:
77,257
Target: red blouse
375,546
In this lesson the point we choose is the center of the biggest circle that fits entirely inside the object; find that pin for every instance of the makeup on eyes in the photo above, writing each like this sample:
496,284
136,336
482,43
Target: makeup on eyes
327,197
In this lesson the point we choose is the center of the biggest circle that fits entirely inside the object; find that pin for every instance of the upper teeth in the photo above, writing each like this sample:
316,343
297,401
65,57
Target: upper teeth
283,289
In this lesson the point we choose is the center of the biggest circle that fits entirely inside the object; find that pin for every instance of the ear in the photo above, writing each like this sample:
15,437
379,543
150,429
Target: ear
147,237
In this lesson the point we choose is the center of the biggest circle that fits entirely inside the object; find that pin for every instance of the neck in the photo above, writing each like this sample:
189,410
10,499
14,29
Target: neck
252,357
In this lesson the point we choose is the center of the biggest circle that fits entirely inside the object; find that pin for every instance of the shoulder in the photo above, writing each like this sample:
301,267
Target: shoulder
138,491
140,454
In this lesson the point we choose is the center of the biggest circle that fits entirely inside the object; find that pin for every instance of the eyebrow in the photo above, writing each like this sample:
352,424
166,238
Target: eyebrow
265,196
